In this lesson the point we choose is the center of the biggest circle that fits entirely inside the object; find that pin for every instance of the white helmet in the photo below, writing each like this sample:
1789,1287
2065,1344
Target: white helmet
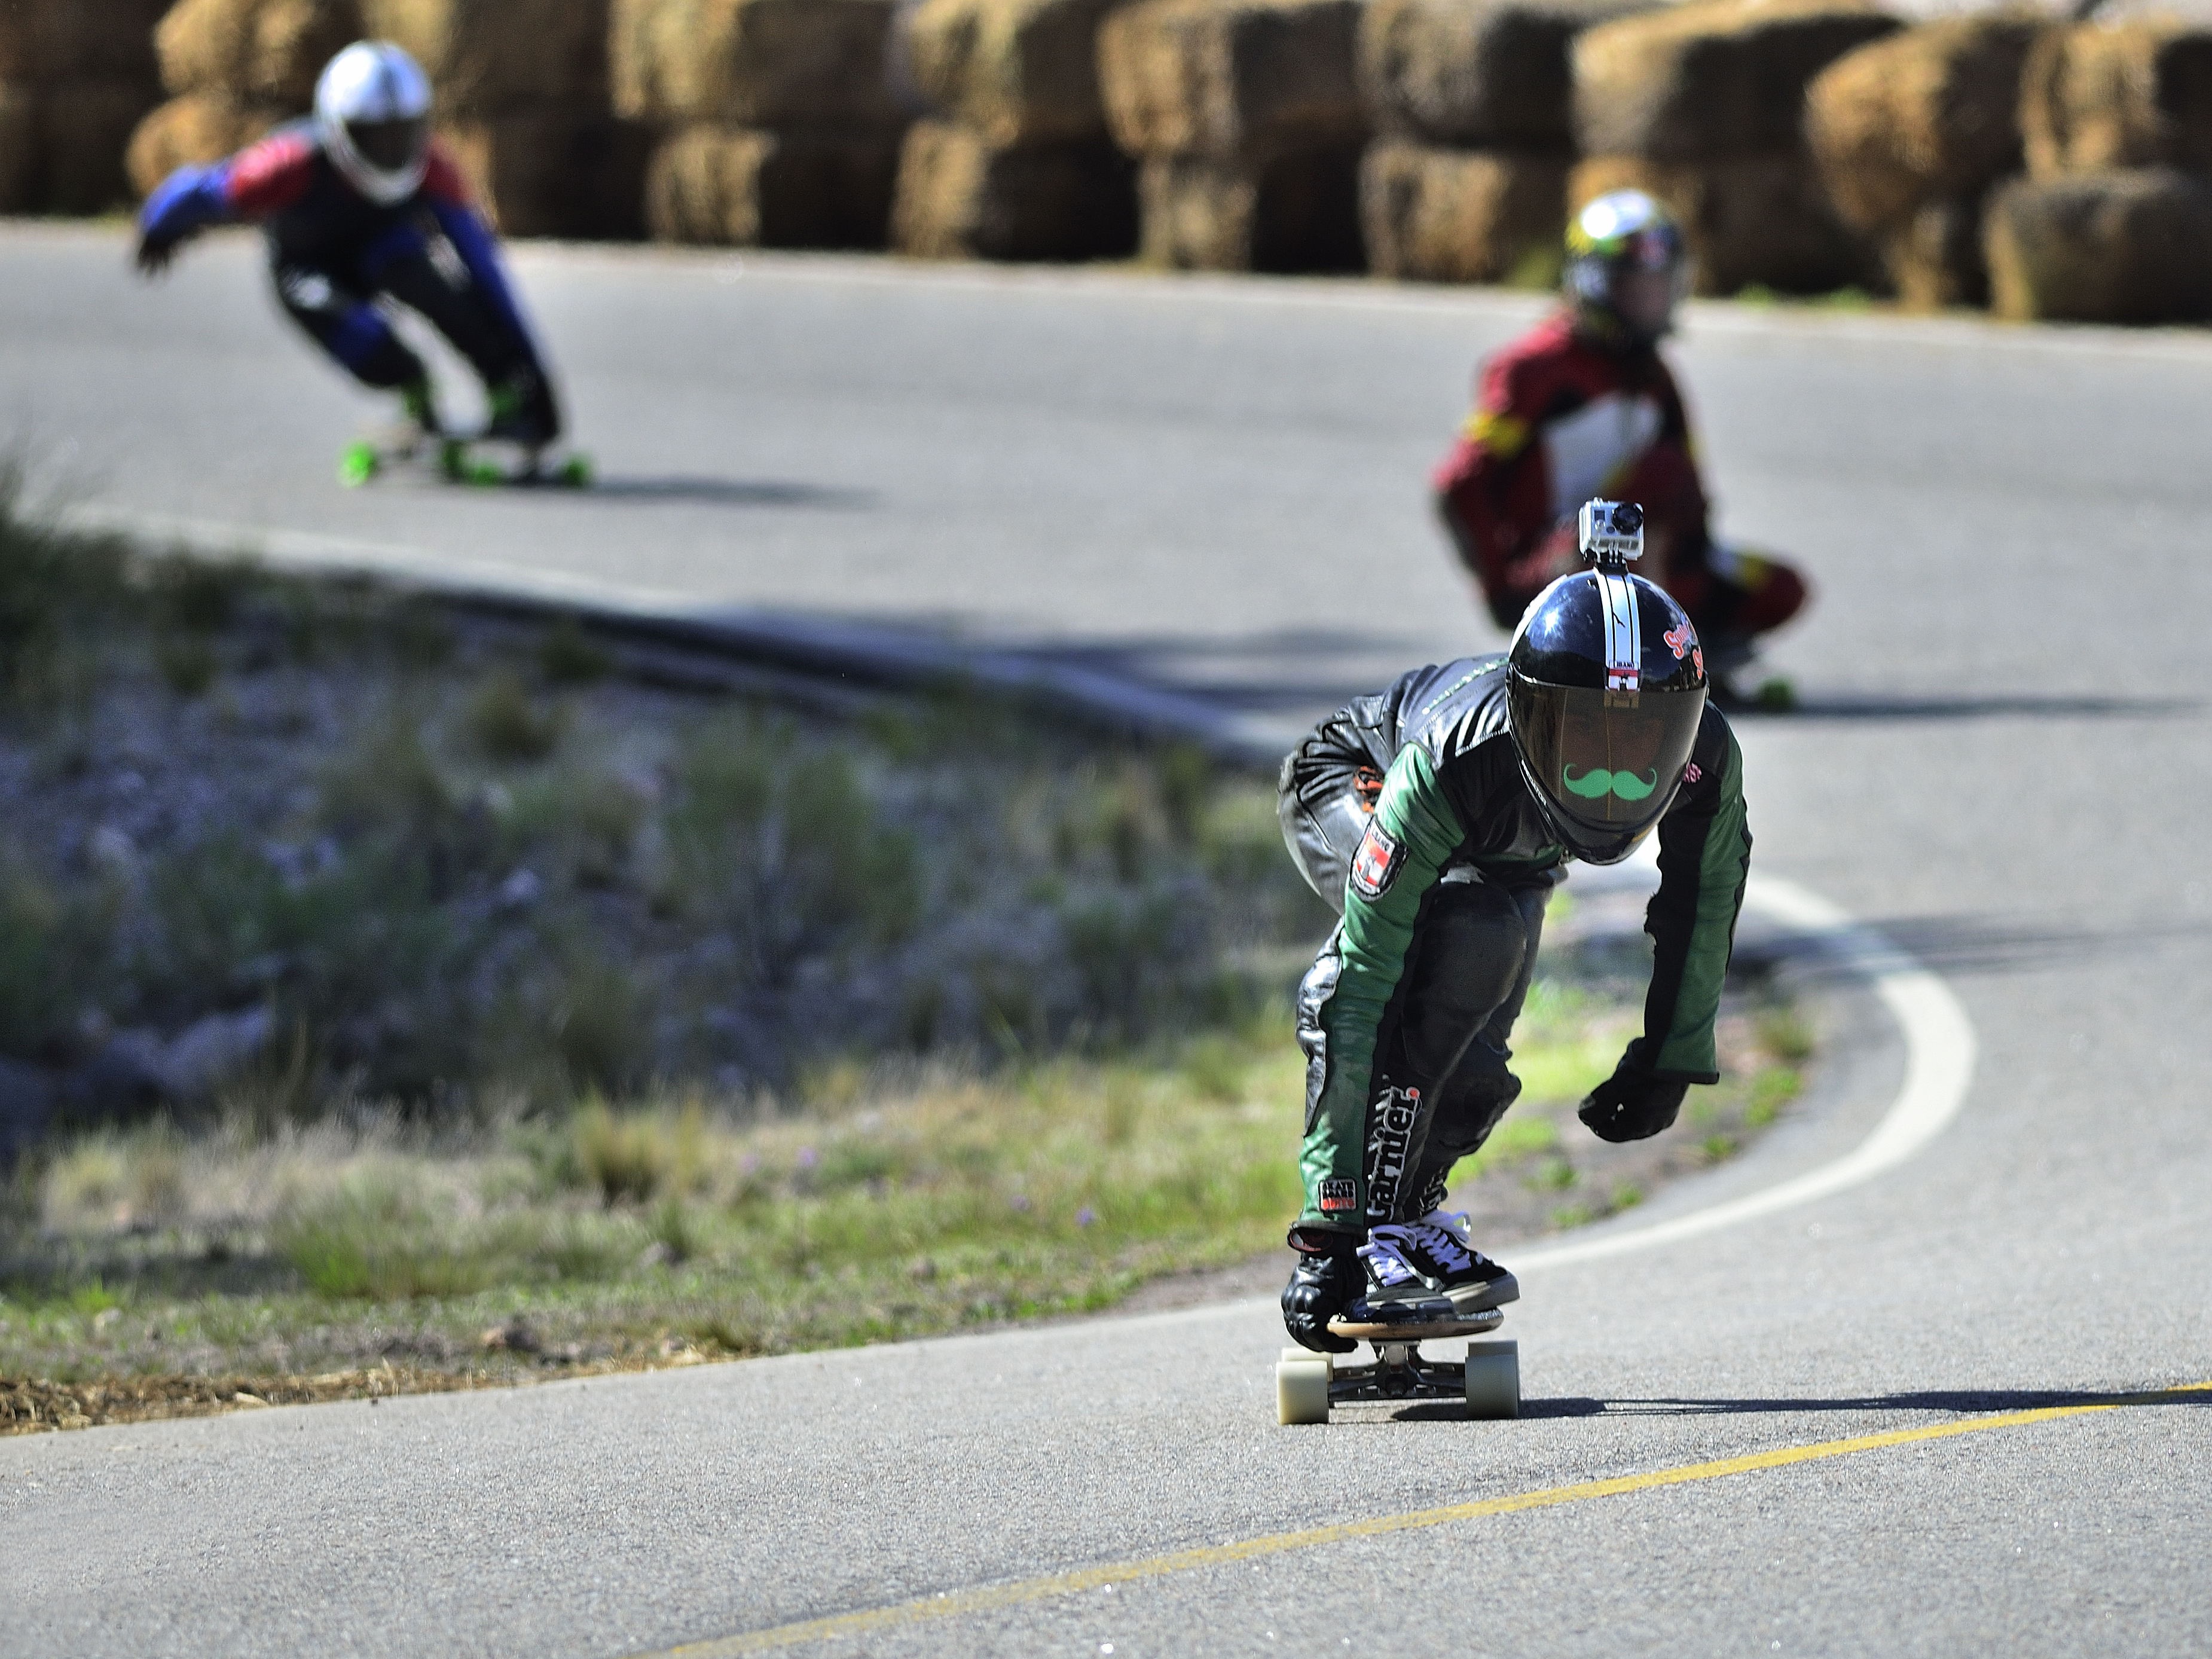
373,110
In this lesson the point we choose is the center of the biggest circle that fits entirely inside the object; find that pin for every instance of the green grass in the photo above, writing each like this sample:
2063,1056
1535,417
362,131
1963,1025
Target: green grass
460,859
506,722
880,1200
662,1024
944,1201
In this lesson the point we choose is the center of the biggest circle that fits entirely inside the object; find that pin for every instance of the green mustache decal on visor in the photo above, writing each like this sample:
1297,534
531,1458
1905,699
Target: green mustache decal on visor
1597,782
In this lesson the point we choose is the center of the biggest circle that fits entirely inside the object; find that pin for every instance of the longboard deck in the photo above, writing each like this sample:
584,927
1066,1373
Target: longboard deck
1437,1328
456,460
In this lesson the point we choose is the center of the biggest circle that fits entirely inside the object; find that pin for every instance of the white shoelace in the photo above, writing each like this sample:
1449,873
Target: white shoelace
1446,1245
1390,1267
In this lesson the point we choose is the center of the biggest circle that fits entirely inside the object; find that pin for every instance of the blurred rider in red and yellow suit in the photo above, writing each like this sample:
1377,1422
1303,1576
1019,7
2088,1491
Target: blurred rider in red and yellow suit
1583,406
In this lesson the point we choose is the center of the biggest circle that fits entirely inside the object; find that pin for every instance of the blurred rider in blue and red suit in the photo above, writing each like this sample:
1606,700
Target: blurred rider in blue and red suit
1583,406
360,205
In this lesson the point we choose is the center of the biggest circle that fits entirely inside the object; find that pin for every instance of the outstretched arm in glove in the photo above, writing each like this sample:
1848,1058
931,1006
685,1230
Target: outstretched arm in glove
1705,858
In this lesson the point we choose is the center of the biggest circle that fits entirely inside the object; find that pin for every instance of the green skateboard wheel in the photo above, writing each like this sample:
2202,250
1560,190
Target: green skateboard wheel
357,464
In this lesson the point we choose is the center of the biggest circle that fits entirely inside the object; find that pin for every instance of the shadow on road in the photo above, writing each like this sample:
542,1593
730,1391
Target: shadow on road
1962,1401
1967,1402
730,492
1850,707
1968,944
1299,669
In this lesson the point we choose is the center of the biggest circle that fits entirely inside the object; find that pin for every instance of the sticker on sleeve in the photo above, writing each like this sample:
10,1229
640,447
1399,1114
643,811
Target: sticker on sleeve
1338,1197
1375,866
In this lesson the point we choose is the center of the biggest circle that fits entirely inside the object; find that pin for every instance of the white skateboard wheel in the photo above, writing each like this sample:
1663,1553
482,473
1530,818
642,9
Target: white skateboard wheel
1493,1379
1301,1387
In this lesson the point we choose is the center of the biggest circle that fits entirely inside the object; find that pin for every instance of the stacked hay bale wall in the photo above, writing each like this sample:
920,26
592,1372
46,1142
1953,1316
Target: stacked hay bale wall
1466,181
523,105
1702,105
1909,135
2130,94
234,68
2110,224
776,122
1014,161
75,78
2128,246
1246,122
521,89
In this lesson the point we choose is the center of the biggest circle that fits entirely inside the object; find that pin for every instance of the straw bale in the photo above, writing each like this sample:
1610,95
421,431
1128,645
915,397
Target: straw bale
2130,246
1298,212
254,51
489,56
1481,74
555,172
46,43
1233,81
19,148
83,129
755,63
1712,78
1933,258
1931,112
190,131
2135,94
960,197
1018,71
750,187
1452,216
1755,219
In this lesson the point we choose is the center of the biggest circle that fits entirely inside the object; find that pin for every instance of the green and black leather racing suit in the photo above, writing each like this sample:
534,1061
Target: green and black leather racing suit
1405,1013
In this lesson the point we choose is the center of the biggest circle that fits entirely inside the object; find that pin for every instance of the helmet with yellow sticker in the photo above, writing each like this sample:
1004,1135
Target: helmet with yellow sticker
1627,267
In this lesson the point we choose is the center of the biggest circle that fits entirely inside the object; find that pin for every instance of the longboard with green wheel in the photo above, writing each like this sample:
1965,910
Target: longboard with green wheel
461,460
1308,1385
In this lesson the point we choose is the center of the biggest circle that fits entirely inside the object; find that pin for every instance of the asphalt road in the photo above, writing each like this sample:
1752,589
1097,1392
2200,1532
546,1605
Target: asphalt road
2003,764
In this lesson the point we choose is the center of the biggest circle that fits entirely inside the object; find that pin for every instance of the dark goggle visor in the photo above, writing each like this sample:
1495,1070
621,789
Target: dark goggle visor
390,146
1606,760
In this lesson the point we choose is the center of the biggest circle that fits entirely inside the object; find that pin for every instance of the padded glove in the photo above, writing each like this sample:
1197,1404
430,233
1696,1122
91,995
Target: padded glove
1631,1104
1321,1287
154,254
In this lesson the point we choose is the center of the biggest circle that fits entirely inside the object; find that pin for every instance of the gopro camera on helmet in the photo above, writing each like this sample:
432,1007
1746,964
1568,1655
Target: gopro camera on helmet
1611,532
1608,694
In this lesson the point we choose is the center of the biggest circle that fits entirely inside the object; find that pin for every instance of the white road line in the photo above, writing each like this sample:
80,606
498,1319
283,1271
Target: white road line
1939,1064
1940,1049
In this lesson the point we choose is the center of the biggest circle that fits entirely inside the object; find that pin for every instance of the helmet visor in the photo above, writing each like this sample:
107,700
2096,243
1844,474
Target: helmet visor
391,147
1607,762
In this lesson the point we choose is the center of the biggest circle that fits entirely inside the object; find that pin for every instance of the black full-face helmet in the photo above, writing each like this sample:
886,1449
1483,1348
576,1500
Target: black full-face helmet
1607,688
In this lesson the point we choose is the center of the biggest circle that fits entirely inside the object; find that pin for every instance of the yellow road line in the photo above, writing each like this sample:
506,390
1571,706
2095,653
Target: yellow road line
953,1603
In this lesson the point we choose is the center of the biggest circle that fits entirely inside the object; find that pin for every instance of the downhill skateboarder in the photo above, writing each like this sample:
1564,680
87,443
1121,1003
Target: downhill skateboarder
360,205
1437,816
1585,405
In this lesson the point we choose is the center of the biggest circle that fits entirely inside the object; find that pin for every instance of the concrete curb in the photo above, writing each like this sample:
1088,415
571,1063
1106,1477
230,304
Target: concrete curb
858,653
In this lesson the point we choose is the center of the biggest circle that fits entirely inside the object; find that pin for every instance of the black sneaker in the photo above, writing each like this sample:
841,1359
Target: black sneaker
1434,1253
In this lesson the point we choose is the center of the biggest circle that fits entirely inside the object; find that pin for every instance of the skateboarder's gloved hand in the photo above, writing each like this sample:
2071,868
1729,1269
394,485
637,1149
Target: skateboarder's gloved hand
154,254
1321,1286
1631,1104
